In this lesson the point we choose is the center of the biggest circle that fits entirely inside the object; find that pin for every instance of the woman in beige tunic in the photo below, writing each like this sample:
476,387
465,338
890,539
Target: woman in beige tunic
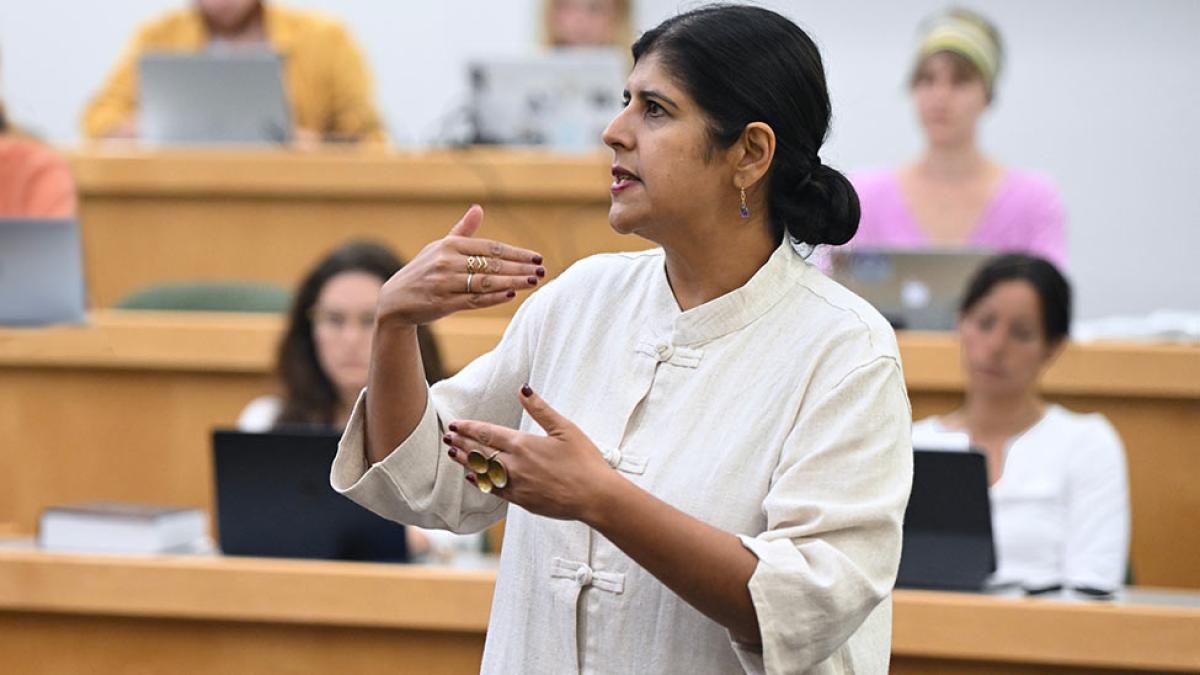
702,450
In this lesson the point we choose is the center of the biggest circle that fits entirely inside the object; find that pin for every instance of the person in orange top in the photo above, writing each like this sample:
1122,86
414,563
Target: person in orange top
35,181
325,76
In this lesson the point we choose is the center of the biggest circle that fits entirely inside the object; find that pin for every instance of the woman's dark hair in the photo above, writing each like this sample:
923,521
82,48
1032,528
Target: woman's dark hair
745,64
1052,288
309,396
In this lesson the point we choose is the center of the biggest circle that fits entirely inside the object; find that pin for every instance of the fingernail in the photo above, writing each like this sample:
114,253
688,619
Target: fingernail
453,427
526,391
532,281
537,260
446,439
510,294
451,452
470,478
541,271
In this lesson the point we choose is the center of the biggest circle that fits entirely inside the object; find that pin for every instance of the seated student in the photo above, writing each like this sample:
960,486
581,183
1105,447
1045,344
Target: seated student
325,76
954,195
586,23
324,352
35,181
1060,497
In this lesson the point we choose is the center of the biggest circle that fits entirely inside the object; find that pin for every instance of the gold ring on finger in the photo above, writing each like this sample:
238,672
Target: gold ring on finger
477,462
476,263
483,483
497,473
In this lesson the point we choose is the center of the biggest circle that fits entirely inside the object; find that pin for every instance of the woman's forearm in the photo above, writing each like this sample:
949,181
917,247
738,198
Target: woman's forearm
396,389
707,567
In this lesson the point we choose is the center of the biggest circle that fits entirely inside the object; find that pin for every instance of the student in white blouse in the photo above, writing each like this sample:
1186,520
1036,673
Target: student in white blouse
1060,496
705,448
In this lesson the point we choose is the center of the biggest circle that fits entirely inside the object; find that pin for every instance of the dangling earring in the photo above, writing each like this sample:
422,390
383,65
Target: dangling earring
744,209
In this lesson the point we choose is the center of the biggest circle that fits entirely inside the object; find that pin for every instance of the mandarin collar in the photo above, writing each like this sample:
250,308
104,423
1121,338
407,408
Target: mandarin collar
730,312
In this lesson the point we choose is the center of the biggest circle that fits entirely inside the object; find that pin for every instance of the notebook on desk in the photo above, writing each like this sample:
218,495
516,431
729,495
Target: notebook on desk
948,524
274,500
41,272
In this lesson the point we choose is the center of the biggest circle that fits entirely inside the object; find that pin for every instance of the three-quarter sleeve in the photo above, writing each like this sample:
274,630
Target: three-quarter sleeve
831,549
116,101
1096,546
418,483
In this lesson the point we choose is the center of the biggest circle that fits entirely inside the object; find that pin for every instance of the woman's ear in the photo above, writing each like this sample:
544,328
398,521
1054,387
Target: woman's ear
755,152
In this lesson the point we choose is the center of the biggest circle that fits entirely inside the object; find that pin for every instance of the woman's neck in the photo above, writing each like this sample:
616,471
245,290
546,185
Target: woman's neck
705,267
952,162
251,29
999,416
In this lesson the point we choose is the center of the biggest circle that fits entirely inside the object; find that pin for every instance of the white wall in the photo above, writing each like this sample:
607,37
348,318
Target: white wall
1101,94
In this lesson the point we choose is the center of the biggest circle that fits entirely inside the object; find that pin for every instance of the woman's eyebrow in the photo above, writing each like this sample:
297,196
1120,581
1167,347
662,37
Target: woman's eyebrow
647,94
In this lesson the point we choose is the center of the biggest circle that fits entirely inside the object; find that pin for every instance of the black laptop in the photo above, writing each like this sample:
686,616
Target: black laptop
948,525
274,500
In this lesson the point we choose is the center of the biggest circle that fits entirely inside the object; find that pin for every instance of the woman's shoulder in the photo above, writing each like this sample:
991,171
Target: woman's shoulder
1087,437
1030,185
260,414
842,317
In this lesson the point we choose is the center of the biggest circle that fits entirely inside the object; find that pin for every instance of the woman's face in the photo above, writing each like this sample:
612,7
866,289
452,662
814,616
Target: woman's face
664,175
583,23
949,98
343,320
1004,347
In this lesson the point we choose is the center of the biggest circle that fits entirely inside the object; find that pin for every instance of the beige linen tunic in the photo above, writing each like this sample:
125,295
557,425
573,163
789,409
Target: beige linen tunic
777,412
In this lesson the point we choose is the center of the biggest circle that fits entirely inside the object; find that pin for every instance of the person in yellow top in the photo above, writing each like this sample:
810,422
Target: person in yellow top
326,79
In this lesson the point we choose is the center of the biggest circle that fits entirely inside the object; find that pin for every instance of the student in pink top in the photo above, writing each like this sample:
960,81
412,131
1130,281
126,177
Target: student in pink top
954,195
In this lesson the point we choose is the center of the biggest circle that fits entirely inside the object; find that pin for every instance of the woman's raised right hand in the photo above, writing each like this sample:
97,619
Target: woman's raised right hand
434,283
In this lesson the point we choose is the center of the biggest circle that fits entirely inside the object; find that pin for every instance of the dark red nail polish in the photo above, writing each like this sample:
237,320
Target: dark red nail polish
541,271
451,452
526,391
453,427
510,294
470,478
446,439
532,280
537,260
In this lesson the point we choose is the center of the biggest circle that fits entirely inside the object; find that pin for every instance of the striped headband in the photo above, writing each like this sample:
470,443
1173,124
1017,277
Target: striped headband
966,37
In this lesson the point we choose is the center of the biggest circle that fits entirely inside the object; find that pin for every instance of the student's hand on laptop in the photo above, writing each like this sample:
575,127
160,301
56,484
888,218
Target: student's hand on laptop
458,272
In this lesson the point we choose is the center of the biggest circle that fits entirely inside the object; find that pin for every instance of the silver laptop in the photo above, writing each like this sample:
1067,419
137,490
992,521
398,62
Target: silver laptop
220,97
913,289
562,99
41,272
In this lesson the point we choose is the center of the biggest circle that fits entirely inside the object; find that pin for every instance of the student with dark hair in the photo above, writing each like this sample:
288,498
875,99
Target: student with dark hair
325,350
1060,498
703,450
954,195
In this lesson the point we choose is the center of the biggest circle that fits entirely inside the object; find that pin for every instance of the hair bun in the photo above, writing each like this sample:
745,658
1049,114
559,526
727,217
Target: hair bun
821,208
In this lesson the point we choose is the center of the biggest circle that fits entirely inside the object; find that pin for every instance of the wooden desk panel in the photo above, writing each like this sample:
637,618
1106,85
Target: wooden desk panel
123,410
150,217
220,615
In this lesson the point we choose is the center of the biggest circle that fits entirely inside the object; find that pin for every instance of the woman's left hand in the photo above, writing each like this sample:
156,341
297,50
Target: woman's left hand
560,475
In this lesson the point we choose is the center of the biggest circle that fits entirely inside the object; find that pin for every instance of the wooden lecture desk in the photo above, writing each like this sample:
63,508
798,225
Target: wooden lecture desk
122,409
63,614
152,216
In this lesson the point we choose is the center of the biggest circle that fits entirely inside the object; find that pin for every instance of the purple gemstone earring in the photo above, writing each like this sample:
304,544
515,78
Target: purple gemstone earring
744,209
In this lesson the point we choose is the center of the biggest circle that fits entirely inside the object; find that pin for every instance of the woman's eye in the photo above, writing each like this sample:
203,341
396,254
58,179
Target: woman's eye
653,109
